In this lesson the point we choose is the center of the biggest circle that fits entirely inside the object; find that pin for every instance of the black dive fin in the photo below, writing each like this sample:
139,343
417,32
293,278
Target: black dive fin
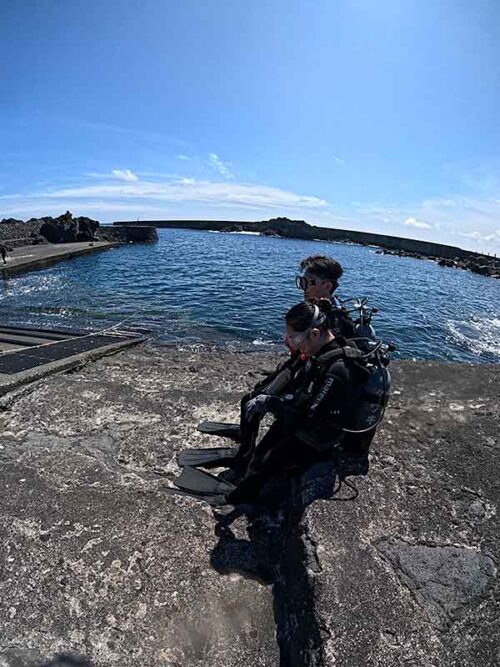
213,499
221,429
200,482
208,458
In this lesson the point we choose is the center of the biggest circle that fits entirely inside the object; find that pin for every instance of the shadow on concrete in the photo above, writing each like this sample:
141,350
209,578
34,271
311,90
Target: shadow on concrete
277,551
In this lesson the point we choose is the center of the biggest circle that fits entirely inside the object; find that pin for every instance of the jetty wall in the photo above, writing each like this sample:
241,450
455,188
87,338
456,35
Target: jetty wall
128,233
300,229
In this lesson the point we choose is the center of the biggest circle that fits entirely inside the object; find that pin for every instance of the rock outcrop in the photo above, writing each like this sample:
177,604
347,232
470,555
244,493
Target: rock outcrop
69,229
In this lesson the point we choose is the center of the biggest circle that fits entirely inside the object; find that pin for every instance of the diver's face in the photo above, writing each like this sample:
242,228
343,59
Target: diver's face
315,287
306,342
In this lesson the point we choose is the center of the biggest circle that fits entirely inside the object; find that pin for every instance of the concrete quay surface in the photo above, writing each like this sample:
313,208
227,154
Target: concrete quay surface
100,561
27,258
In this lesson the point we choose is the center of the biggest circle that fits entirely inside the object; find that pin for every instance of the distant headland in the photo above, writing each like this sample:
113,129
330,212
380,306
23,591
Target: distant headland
445,255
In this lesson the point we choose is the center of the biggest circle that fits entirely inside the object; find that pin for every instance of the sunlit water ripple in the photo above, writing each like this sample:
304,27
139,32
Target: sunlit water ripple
199,288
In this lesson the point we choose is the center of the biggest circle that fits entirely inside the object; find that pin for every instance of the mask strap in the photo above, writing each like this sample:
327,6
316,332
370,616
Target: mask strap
318,317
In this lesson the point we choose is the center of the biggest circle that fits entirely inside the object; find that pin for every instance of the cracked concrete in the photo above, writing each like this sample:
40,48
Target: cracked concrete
98,560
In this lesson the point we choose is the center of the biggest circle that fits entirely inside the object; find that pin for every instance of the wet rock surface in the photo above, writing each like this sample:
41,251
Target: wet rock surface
99,561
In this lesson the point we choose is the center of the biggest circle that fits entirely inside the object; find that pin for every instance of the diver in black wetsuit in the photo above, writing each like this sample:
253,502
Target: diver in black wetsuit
318,402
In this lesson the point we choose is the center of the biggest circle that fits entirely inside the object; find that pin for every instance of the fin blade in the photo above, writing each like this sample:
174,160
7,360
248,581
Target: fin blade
199,481
213,499
221,429
206,457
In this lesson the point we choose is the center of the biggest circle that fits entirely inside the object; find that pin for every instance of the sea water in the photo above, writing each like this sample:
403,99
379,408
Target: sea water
196,288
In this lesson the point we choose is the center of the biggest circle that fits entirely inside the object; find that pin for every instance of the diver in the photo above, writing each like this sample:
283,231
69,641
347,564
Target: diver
320,281
320,412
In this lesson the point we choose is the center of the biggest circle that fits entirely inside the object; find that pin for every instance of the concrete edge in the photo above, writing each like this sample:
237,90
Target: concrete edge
62,365
48,261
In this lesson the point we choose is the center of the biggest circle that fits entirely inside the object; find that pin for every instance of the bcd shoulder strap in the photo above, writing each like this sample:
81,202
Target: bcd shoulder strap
351,355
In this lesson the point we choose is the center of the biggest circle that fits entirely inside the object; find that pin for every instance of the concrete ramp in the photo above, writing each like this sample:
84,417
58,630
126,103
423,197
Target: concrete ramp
28,354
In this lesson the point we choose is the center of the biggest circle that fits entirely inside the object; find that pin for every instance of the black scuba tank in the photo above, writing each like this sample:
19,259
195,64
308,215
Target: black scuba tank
370,399
372,385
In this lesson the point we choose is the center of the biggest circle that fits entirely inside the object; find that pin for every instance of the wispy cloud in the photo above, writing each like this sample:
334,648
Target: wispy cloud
124,175
449,219
181,156
413,222
470,222
339,160
218,165
139,194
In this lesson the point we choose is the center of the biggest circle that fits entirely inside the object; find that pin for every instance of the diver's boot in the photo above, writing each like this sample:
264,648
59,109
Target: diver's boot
246,492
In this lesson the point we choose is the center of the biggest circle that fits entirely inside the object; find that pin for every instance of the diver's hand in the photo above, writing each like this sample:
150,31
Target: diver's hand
256,407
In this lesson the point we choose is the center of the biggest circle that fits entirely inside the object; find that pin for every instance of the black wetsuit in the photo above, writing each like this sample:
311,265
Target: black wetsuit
249,428
310,417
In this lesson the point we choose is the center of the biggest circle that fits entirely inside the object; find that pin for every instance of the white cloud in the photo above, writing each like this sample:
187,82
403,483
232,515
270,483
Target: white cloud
456,220
181,156
413,222
223,168
189,189
124,175
177,195
339,160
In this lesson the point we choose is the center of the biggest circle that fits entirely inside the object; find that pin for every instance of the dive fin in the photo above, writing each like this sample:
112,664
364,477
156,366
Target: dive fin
200,482
213,499
221,429
209,458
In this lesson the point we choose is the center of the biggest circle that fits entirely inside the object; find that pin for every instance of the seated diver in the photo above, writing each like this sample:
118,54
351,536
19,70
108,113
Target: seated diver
311,413
319,280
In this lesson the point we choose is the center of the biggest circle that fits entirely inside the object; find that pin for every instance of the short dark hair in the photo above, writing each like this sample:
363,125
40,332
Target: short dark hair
324,267
300,316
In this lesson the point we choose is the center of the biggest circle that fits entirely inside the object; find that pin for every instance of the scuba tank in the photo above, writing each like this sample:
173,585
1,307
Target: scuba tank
373,383
372,393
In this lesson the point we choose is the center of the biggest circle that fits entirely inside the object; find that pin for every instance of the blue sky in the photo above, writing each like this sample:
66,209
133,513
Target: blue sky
359,114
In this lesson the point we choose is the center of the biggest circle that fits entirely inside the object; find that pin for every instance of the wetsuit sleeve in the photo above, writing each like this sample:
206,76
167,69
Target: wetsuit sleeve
262,385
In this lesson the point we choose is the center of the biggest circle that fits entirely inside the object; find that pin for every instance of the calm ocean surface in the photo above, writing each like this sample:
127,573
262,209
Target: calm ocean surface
196,288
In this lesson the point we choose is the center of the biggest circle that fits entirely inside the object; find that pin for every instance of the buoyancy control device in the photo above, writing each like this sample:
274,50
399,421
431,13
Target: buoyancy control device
373,383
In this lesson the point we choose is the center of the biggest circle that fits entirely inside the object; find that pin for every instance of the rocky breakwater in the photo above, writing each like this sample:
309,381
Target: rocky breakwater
99,560
63,229
484,265
67,228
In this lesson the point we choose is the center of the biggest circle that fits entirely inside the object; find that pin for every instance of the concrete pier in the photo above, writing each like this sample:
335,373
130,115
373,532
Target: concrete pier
28,258
99,560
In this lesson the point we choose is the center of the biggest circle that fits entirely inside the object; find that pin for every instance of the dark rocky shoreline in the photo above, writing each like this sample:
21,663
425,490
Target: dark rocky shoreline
483,265
100,561
449,256
69,229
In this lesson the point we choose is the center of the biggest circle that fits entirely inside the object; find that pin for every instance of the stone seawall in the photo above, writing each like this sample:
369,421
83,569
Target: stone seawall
298,229
128,233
